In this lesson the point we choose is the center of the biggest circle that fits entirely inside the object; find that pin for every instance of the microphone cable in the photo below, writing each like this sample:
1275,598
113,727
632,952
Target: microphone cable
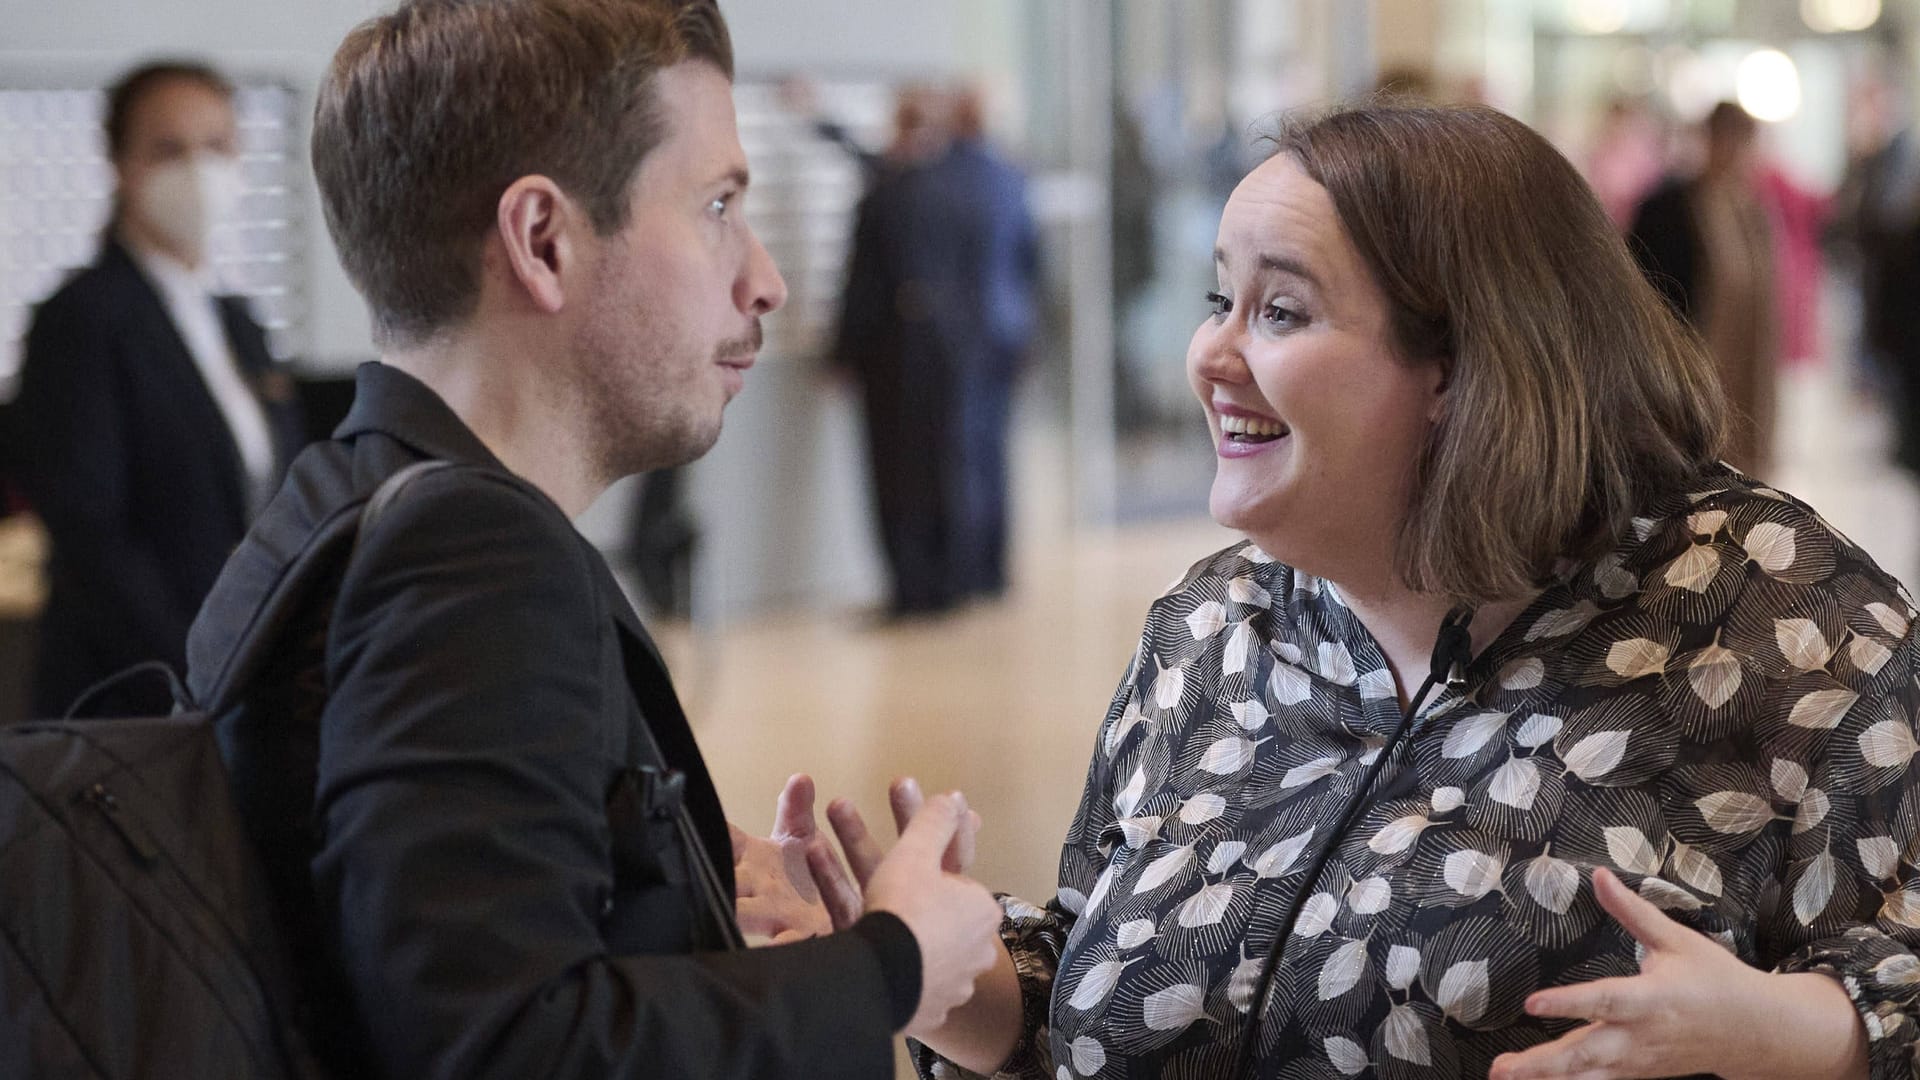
1452,653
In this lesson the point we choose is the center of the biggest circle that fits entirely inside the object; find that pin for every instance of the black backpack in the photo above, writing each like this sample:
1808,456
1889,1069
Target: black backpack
137,937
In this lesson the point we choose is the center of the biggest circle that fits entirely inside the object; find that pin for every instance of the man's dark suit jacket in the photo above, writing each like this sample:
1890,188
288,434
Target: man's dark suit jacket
427,772
129,461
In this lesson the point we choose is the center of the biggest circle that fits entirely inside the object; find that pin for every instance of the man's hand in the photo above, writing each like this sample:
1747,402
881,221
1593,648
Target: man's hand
776,895
1694,1008
954,919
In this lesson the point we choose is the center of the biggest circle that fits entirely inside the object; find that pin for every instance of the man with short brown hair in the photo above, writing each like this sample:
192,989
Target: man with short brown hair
487,826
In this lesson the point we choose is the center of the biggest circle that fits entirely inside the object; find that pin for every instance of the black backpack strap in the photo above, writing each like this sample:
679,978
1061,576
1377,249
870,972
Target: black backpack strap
344,526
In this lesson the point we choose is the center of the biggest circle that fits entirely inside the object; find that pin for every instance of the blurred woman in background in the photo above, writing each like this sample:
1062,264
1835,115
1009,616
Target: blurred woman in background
154,422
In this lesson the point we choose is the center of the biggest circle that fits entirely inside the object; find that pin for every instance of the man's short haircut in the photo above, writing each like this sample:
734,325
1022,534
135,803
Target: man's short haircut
1574,394
126,93
429,113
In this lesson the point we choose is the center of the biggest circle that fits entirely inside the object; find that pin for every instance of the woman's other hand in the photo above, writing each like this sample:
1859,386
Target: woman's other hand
1695,1007
844,894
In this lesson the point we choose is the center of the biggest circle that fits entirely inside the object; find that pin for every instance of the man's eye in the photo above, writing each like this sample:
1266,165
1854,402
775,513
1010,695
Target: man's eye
1221,304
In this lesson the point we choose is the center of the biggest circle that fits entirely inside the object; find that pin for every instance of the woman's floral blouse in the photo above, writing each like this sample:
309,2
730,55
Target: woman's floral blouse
1721,710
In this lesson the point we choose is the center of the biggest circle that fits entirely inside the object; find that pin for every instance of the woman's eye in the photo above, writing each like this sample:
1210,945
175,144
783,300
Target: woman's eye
720,204
1221,305
1282,317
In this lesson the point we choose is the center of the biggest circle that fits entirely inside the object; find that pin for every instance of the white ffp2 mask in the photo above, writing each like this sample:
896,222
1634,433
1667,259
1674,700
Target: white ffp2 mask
186,200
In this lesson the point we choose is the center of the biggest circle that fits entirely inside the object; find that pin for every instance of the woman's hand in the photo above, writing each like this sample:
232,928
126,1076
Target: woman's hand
775,894
844,895
1695,1007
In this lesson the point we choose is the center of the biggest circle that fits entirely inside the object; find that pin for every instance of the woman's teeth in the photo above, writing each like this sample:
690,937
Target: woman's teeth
1248,429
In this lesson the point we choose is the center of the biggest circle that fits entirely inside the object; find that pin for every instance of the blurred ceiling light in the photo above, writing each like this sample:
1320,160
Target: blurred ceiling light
1599,16
1768,85
1839,16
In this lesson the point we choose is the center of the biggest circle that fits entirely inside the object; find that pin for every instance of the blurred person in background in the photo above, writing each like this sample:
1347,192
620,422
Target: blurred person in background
1521,737
1878,222
154,424
937,315
1626,160
1705,243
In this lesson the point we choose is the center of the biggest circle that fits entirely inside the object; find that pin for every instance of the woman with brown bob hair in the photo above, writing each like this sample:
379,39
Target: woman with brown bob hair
1522,736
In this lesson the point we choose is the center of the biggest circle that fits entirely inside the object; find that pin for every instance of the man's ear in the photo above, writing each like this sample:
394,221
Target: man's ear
533,221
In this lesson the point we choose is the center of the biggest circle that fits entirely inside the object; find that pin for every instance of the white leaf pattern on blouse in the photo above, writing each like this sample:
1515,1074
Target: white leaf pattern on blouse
1901,969
1523,674
1564,622
1311,771
1894,623
1250,715
1203,808
1810,896
1206,620
1516,784
1289,685
1715,675
1463,991
1815,805
1596,755
1169,686
1336,664
1132,935
1228,756
1280,858
1406,1037
1667,896
1868,655
1089,1057
1163,869
1225,855
1316,915
1138,832
1697,869
1538,731
1448,799
1735,812
1629,849
1096,985
1771,545
1552,883
1240,648
1467,737
1695,569
1472,873
1206,907
1174,1008
1403,966
1879,855
1129,796
1706,522
1887,744
1370,896
1789,779
1398,835
1802,643
1346,1055
1636,658
1822,710
1343,969
1377,685
1903,907
1245,590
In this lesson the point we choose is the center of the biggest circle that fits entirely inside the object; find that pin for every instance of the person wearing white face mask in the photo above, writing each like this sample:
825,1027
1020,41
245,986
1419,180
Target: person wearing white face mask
155,424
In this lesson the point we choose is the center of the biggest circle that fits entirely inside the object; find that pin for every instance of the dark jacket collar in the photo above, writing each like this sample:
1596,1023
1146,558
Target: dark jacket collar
394,403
